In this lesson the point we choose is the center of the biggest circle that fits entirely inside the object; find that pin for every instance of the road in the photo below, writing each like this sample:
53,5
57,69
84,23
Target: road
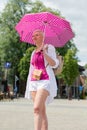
62,114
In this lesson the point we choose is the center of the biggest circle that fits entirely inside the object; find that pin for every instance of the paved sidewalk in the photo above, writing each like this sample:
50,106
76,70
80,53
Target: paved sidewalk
62,115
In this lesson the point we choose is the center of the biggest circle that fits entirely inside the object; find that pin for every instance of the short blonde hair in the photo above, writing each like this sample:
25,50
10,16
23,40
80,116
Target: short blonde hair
39,31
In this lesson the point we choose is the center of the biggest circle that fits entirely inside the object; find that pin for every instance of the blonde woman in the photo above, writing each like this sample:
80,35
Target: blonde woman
41,90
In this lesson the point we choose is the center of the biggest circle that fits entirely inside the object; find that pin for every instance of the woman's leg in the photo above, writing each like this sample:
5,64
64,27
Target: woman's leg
40,120
44,120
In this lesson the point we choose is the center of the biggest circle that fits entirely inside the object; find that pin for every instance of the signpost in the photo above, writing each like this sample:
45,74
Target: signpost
7,66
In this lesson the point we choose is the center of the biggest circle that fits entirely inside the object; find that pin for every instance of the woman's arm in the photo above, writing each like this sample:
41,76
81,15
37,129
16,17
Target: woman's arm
50,55
49,59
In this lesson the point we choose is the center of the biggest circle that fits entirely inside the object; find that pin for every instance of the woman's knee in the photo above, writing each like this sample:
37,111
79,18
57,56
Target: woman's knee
39,102
37,109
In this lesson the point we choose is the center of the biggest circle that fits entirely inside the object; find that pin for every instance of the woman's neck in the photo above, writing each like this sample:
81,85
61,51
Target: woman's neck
39,47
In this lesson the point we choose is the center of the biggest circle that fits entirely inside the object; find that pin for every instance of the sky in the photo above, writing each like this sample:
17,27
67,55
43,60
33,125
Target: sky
75,12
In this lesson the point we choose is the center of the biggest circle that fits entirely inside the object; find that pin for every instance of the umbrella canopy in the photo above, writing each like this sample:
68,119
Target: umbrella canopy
56,29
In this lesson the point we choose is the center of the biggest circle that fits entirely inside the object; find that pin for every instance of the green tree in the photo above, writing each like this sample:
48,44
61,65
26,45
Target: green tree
70,69
11,48
25,63
38,6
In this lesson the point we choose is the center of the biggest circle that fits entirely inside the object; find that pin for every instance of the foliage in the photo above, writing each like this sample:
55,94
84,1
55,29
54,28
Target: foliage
24,64
70,69
11,48
38,6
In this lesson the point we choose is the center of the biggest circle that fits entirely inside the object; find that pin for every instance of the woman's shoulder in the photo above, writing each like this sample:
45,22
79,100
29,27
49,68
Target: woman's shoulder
51,47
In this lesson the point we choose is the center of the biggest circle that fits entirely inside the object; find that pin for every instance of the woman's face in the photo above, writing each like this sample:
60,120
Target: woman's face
37,37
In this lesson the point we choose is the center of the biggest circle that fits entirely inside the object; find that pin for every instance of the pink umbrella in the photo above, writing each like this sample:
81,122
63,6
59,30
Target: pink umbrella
56,29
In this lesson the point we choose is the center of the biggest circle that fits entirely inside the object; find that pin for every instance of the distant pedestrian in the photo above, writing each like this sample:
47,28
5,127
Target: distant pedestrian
80,91
15,91
5,85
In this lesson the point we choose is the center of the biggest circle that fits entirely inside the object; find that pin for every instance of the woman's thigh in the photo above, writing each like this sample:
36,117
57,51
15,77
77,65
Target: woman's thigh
33,95
40,98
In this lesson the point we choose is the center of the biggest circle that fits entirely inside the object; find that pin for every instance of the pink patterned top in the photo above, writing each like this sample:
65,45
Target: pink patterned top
38,63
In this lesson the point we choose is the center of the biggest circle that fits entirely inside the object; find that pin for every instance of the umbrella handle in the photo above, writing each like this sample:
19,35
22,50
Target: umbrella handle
44,32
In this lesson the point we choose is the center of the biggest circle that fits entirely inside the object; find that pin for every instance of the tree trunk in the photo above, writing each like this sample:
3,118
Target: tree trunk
69,93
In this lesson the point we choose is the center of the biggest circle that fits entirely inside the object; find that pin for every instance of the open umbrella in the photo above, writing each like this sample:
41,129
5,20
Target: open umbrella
56,29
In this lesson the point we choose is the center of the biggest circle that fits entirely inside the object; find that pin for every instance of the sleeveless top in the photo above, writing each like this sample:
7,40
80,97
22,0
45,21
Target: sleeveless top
38,63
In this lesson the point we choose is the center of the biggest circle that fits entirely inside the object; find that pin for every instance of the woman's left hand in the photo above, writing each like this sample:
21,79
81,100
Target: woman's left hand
45,48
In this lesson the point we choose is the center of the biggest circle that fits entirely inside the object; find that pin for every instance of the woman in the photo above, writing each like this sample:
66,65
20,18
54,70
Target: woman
44,90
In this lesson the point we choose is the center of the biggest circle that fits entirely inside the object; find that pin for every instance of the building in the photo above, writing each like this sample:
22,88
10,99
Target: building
63,90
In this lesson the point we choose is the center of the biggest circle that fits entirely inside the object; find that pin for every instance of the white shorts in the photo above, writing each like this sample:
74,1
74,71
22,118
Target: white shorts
36,85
